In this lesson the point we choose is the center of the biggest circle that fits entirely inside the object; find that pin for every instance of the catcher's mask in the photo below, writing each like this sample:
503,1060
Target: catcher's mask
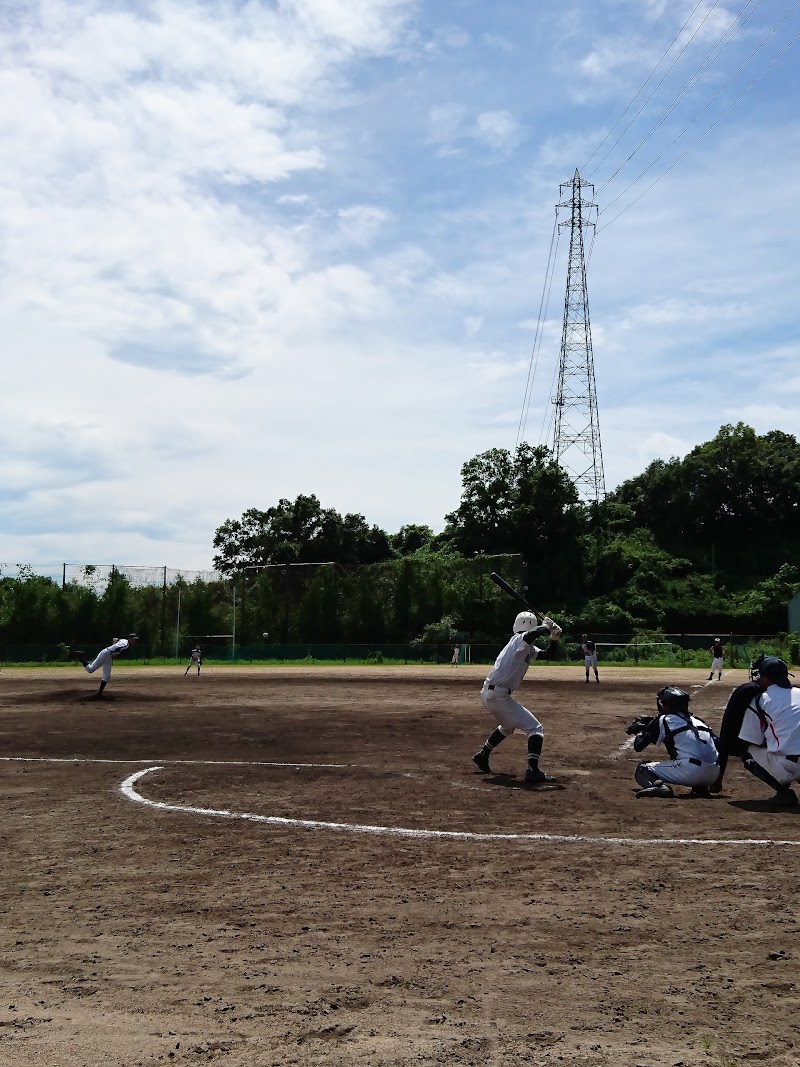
525,622
671,698
755,667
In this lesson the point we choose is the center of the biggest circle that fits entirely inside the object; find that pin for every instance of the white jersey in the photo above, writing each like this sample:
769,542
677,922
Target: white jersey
119,646
689,736
779,725
512,664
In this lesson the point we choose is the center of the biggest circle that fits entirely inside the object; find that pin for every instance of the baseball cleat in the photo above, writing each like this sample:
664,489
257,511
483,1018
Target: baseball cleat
481,761
785,798
662,790
537,777
700,791
81,656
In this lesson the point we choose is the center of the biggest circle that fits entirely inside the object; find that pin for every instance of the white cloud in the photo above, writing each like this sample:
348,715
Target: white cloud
496,129
253,250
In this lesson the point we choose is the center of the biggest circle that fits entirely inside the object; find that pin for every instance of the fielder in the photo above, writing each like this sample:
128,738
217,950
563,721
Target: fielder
589,650
771,726
509,669
717,651
195,660
456,655
690,744
105,659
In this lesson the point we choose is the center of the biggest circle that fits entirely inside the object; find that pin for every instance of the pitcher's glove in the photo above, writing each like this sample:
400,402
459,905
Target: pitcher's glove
639,724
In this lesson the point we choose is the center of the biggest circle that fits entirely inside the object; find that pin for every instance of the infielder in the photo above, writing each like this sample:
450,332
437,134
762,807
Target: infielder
589,650
456,655
771,726
105,658
717,651
509,669
690,744
195,660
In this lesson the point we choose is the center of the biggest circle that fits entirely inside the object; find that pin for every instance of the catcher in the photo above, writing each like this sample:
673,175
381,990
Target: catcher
690,744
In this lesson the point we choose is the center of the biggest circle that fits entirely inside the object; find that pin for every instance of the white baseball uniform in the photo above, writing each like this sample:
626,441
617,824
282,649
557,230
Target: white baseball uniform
694,760
106,657
509,669
774,734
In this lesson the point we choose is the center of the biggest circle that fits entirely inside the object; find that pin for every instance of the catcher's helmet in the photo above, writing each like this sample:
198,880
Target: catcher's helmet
671,698
755,667
525,622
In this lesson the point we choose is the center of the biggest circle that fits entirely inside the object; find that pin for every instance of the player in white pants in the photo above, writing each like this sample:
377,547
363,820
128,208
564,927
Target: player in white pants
195,660
105,658
509,669
690,744
771,727
589,650
717,651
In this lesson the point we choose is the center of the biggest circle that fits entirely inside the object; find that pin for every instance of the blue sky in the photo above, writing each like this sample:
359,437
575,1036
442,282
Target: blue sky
251,250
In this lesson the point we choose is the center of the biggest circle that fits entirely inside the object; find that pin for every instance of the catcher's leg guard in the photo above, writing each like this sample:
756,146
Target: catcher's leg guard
645,778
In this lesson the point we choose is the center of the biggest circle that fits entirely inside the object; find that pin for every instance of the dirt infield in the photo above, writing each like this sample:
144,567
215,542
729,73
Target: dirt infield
264,867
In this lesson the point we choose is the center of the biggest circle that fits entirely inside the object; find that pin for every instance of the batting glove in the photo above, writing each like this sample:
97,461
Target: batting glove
555,631
548,622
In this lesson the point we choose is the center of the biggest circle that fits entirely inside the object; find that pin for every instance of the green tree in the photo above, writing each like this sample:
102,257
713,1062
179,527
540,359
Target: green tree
524,504
299,531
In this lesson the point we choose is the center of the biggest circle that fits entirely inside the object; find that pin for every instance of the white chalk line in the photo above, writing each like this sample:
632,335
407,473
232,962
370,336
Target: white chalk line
127,789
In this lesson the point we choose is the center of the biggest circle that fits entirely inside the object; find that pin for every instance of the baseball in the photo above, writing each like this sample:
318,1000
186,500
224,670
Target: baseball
265,635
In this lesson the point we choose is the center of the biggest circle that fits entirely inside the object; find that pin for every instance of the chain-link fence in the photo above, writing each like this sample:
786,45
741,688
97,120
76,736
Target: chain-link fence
670,650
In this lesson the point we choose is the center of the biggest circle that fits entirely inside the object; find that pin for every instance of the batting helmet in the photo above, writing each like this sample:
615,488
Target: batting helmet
525,622
671,698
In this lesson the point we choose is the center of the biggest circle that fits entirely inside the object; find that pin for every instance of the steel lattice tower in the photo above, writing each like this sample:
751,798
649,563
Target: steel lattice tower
576,429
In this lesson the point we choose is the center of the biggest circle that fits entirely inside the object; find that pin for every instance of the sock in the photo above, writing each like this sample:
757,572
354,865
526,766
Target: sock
492,741
535,742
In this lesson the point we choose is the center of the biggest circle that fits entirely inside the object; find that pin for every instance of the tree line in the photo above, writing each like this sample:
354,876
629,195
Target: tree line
699,544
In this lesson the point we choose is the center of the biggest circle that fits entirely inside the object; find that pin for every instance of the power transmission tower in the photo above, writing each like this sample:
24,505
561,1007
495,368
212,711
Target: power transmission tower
576,429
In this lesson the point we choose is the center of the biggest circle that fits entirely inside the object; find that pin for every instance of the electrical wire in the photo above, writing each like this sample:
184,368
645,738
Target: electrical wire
687,87
650,75
652,94
695,142
539,332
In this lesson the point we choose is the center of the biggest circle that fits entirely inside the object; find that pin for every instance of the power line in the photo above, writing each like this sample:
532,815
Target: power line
652,94
649,76
695,142
539,332
704,67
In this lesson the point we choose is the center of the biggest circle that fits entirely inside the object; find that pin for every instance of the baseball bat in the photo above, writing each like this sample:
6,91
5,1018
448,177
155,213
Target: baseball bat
512,592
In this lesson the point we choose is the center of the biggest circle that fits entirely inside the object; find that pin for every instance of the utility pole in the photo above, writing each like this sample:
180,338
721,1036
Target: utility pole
576,429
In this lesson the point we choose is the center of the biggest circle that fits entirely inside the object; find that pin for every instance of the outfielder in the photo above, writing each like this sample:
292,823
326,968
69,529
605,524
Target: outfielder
105,659
195,660
771,726
589,650
717,651
509,669
690,744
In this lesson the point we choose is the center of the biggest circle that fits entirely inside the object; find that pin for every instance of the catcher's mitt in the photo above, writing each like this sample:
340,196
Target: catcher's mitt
639,724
